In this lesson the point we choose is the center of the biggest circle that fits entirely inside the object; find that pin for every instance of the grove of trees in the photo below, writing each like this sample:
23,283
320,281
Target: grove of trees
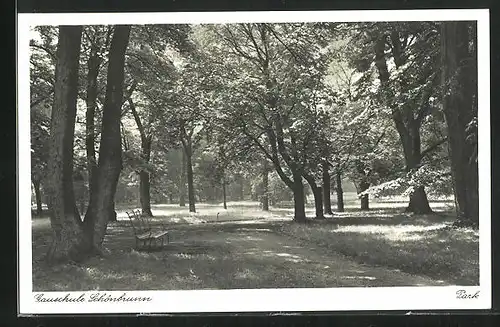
256,111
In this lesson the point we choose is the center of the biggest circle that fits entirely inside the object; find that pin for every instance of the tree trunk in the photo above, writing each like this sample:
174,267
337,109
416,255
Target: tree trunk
38,197
91,101
407,125
145,186
112,214
224,192
318,196
190,180
419,204
265,187
459,78
101,206
144,182
363,186
318,202
298,199
242,188
327,203
182,182
64,218
340,192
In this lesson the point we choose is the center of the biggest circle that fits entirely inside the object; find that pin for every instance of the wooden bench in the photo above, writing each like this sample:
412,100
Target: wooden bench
145,236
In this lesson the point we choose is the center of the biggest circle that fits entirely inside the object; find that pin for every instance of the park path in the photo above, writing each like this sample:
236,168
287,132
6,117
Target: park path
238,255
259,249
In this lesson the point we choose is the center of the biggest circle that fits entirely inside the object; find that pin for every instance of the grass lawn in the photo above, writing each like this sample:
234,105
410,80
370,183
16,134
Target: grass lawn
423,245
244,247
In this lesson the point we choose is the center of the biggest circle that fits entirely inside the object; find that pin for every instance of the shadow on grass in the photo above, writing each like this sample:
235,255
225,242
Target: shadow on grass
204,255
231,262
389,216
437,251
188,264
388,200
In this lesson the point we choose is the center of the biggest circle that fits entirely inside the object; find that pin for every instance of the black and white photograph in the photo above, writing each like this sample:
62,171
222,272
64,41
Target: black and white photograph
226,162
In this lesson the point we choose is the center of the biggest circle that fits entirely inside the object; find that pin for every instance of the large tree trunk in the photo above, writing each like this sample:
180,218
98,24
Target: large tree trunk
365,200
190,178
64,218
459,78
265,187
93,65
101,207
38,197
419,204
298,199
112,213
327,203
318,197
182,182
340,192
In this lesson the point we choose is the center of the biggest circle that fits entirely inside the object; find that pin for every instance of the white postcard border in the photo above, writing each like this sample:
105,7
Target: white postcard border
258,300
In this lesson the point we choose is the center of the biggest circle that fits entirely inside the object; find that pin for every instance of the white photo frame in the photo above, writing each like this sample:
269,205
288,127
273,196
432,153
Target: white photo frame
253,300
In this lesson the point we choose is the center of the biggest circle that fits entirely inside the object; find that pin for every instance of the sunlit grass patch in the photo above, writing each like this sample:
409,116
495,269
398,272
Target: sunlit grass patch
437,251
240,248
245,274
392,233
209,213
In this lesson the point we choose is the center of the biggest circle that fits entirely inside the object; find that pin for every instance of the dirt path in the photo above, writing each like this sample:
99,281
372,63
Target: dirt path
227,255
258,251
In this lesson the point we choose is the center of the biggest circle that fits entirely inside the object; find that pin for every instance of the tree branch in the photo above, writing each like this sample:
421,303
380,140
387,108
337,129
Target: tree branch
137,118
433,147
283,43
46,50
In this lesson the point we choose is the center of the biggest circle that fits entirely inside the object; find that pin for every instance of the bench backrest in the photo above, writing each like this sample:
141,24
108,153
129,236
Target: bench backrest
140,223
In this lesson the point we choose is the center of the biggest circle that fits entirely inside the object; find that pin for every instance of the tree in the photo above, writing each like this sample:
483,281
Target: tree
42,63
101,206
144,174
182,181
150,72
174,91
40,133
265,185
273,70
408,78
459,78
318,155
98,39
326,184
230,151
64,217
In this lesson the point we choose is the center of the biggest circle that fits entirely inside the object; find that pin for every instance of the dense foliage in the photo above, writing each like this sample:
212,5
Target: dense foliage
264,112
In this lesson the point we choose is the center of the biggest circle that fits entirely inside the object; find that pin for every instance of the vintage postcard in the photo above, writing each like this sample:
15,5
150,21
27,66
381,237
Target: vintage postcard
253,161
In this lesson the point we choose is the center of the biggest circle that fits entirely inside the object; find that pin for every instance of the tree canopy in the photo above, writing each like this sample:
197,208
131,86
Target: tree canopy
265,111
